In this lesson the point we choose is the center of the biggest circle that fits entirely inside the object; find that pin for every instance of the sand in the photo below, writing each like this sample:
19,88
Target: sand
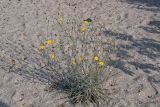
134,23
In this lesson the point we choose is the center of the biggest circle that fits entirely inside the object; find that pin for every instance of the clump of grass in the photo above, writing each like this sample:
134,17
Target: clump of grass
77,56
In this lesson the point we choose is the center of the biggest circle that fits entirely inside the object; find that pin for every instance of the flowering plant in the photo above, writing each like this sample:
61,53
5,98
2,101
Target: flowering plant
77,56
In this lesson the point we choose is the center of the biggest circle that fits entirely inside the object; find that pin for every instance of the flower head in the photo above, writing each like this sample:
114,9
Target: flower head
86,22
42,46
50,42
81,58
53,56
96,58
101,63
61,19
83,29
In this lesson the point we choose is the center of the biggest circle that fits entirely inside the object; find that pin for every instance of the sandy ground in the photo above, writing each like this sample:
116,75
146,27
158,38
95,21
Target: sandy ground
134,23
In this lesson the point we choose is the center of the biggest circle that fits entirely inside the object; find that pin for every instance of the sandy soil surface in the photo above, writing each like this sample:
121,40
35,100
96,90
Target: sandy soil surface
134,23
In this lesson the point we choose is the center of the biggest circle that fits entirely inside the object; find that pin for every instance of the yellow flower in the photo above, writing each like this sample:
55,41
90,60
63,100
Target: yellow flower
86,22
53,56
81,58
42,46
96,58
50,42
83,29
61,19
101,63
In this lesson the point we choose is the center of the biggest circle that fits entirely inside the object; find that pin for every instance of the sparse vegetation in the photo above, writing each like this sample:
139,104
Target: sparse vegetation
77,56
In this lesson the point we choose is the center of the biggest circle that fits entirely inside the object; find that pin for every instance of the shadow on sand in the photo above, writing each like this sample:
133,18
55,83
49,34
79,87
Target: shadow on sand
145,47
148,5
153,27
2,104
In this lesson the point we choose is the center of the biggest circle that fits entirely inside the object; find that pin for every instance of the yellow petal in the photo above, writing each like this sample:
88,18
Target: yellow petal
42,46
83,29
61,19
86,22
96,58
50,42
53,56
101,63
81,58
